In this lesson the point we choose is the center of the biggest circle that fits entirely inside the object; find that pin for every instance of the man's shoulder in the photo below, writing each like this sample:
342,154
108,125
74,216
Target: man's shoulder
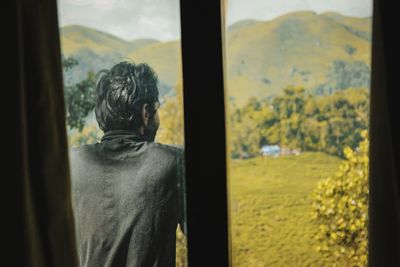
169,153
173,149
80,149
80,152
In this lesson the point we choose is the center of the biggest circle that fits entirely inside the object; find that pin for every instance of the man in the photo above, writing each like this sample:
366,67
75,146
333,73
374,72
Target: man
127,189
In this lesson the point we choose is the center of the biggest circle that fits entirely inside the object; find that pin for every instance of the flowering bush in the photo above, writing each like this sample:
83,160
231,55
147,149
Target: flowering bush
340,208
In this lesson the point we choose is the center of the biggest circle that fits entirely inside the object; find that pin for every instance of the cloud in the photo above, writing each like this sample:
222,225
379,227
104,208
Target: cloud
100,4
127,19
270,9
159,19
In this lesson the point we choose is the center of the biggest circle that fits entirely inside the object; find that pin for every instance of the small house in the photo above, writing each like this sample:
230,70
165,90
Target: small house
270,150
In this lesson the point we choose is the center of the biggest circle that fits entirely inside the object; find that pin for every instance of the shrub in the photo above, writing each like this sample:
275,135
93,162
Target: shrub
340,208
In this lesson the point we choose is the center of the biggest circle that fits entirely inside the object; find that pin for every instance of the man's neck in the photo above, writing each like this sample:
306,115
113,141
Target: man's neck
114,134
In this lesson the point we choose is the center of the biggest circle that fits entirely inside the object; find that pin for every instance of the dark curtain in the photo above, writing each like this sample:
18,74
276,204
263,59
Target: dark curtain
384,215
37,170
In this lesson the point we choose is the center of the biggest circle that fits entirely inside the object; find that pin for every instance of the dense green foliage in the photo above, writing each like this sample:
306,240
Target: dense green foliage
298,120
345,74
79,97
340,207
90,134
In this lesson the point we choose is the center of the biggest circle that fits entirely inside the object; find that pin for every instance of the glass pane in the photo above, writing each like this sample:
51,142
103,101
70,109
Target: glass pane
297,80
128,190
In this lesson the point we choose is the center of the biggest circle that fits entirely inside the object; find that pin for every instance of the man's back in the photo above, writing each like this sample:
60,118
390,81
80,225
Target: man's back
126,201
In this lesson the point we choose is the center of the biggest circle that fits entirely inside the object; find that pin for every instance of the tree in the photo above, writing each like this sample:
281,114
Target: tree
334,121
90,134
340,209
290,110
297,120
350,49
249,128
171,119
79,97
343,75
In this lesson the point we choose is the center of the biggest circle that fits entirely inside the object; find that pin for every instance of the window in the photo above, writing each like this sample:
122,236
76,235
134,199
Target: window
297,80
96,36
297,109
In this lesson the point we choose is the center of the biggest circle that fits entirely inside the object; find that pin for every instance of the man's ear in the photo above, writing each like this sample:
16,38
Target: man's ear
145,114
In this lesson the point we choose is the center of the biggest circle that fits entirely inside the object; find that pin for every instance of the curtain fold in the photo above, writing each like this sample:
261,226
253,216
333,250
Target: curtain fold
384,213
46,216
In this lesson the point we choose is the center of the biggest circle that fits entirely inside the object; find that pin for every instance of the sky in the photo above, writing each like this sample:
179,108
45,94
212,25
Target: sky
159,19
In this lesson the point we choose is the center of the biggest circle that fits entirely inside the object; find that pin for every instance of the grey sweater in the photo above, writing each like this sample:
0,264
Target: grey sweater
127,197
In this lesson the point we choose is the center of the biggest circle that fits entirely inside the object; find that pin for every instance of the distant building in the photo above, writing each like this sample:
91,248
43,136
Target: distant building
270,150
275,151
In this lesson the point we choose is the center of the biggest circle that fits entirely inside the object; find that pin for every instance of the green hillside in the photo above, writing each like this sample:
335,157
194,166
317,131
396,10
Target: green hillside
96,50
359,24
294,49
75,38
139,43
263,57
242,24
165,58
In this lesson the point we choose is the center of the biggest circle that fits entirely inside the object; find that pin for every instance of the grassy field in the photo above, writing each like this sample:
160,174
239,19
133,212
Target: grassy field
271,206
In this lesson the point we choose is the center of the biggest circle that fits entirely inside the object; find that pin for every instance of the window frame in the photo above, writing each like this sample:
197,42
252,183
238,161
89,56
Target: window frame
205,138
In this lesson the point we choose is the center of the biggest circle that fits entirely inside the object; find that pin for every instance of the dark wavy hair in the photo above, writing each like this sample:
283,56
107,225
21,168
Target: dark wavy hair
121,93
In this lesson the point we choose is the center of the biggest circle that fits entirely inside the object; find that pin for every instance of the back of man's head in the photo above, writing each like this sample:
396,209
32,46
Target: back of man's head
120,94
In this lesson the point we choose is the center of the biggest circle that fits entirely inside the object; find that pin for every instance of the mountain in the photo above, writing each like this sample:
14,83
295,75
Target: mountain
263,57
164,58
96,50
241,24
360,24
294,49
75,38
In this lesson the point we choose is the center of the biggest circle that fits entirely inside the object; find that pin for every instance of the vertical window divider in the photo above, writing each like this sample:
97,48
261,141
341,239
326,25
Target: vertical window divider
205,138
